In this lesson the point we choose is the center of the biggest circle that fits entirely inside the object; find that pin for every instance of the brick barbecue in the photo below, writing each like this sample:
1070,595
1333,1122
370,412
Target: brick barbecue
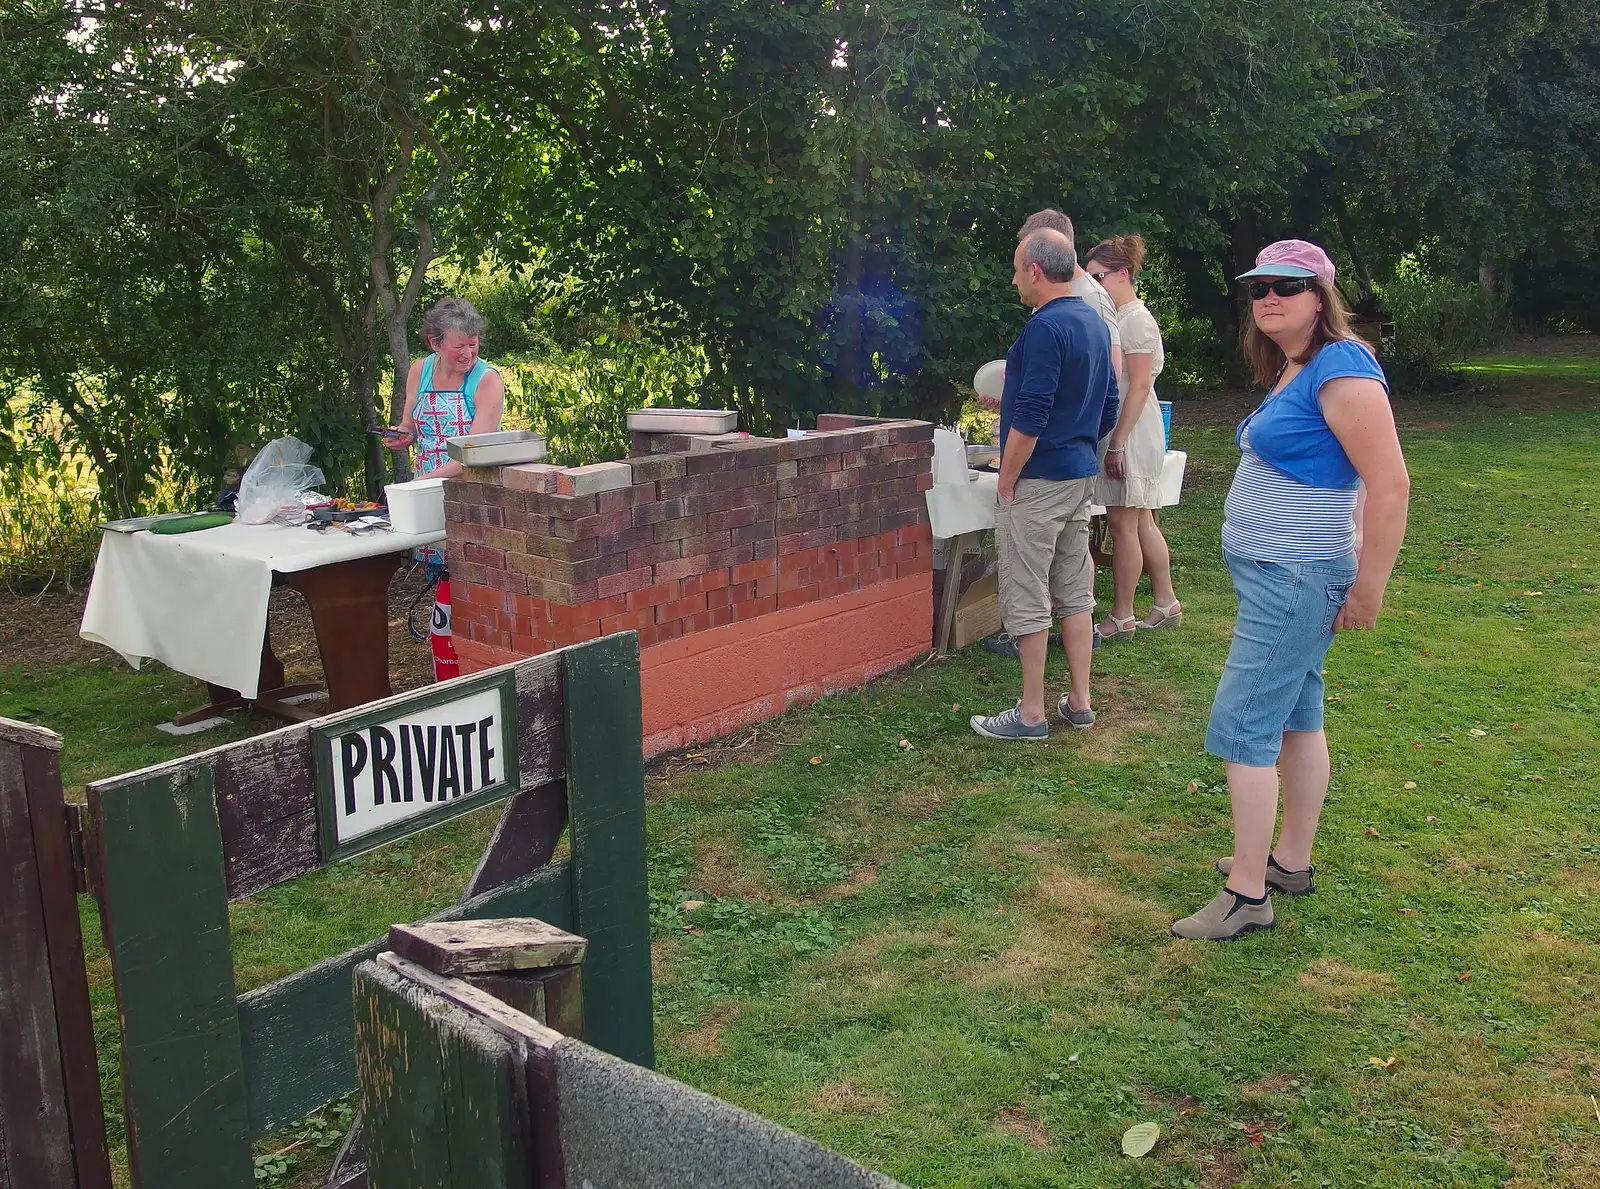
759,573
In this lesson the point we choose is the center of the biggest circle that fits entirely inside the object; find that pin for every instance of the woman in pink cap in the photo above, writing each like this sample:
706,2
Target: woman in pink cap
1311,530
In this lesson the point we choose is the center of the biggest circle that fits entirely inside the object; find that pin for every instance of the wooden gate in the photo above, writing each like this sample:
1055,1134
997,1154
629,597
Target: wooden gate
52,1129
205,1070
467,1089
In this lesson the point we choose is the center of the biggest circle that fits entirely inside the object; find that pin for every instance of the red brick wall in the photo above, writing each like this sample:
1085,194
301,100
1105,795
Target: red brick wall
685,547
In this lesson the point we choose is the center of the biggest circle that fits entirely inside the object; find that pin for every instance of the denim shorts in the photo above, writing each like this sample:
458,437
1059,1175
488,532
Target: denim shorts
1272,682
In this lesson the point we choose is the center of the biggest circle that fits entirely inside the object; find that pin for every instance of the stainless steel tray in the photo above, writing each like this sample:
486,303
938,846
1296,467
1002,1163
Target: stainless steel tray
682,420
496,449
140,523
980,456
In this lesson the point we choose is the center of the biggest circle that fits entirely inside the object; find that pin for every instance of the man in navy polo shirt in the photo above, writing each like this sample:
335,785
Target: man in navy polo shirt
1060,399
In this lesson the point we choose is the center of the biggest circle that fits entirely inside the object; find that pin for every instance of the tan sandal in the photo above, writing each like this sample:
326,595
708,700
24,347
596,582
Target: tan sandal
1169,616
1121,629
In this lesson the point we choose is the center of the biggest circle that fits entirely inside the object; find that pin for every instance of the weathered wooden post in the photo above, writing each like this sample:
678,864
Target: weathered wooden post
52,1127
446,1097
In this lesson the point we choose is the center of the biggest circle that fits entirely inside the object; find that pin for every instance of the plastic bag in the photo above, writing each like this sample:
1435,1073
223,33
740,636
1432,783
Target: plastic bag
271,488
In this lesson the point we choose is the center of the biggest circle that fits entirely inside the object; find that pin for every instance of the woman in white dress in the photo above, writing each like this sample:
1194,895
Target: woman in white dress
1129,485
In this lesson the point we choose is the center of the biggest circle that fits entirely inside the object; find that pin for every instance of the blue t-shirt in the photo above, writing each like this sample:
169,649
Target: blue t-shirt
1288,431
1060,388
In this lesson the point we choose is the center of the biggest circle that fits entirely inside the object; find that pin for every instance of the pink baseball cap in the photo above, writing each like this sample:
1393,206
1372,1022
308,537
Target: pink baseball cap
1291,258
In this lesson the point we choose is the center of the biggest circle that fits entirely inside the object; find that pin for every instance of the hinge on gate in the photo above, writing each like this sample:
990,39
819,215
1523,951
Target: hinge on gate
75,843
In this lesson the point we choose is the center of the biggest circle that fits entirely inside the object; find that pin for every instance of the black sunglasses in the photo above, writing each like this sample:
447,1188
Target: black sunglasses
1284,287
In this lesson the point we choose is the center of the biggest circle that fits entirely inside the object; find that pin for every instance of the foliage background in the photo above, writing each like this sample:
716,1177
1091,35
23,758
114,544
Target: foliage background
221,218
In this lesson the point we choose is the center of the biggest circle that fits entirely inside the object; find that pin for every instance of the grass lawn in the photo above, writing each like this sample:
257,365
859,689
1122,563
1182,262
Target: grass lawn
950,960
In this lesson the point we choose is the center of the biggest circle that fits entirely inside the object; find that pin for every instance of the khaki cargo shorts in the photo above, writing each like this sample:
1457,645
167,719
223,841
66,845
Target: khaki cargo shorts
1045,570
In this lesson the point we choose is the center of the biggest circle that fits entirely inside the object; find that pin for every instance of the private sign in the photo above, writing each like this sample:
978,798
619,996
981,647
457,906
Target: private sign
403,768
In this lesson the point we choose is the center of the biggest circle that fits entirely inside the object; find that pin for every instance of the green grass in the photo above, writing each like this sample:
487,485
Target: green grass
1568,367
951,961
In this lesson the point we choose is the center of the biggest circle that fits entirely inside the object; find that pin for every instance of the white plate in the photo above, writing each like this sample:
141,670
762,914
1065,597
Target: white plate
990,379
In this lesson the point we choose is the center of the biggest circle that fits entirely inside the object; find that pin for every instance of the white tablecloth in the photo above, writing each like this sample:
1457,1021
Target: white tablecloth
197,602
956,508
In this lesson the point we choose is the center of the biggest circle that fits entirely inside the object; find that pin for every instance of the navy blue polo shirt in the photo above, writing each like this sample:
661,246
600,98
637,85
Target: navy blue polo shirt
1060,388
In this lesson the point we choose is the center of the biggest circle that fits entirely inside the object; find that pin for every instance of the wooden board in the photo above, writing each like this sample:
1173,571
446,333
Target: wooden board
611,898
35,1137
503,944
69,982
265,786
441,1091
297,1033
164,911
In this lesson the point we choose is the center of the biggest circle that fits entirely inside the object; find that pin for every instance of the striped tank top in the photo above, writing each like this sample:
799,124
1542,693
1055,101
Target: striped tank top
1271,517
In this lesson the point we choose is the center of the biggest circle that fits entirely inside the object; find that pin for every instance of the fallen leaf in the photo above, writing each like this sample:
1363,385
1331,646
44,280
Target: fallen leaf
1140,1138
1431,819
1372,832
1408,912
695,757
1478,731
1537,779
1381,1062
1377,652
1464,977
1410,784
691,905
906,743
955,707
816,759
1194,786
1533,594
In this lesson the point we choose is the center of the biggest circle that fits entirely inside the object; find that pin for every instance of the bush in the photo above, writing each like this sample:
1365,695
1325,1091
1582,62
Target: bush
1199,359
1437,323
579,398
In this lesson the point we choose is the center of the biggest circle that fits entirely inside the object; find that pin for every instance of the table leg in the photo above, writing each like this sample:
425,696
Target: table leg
955,562
349,604
270,689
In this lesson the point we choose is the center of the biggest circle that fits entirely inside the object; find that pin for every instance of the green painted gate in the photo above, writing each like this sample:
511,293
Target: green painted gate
206,1071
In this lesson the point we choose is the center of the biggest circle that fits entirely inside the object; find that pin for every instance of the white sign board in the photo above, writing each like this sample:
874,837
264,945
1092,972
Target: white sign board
402,768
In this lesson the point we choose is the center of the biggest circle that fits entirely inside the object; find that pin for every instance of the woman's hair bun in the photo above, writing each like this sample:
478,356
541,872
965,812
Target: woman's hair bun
1121,251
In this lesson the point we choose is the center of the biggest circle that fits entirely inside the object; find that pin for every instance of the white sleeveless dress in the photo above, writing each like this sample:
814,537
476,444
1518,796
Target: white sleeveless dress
1147,445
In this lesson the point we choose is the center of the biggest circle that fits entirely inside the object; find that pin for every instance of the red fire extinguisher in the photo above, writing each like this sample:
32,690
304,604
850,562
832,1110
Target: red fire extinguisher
445,663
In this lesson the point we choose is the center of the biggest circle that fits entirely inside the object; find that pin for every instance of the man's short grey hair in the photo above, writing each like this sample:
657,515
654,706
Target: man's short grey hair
1048,219
1053,253
451,313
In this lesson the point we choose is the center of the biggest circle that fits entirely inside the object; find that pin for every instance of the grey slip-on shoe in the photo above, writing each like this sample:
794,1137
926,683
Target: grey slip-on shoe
1280,879
1228,917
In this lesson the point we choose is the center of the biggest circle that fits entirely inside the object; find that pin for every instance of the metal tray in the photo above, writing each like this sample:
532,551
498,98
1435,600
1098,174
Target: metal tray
981,456
138,524
496,449
682,420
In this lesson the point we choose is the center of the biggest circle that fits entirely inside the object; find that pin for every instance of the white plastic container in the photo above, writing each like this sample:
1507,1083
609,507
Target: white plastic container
416,507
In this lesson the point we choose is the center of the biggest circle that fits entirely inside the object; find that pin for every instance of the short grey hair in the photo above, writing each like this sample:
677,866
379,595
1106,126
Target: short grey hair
451,313
1053,253
1048,219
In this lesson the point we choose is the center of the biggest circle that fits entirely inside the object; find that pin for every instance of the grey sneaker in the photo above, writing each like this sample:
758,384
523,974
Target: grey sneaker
1008,724
1007,645
1280,879
1082,719
1226,918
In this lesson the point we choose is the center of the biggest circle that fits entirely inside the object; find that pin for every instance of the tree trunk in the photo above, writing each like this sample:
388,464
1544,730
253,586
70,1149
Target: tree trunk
1367,302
